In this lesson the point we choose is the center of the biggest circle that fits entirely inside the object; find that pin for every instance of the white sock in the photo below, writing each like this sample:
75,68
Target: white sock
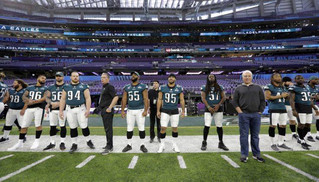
20,141
87,138
174,140
62,140
281,139
6,133
303,141
129,142
317,133
162,141
142,141
308,134
272,140
74,140
52,141
37,140
293,133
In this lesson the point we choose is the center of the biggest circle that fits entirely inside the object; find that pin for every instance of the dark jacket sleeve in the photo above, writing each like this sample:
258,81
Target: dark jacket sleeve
235,100
112,91
262,100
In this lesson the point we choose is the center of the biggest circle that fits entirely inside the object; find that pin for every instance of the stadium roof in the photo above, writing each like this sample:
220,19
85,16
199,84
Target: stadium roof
157,10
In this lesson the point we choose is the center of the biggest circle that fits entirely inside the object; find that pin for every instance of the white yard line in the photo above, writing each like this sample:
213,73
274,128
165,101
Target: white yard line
133,162
25,168
181,162
292,168
87,160
231,162
5,157
315,156
227,123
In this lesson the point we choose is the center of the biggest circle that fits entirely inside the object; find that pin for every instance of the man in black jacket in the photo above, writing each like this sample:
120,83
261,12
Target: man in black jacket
108,99
152,97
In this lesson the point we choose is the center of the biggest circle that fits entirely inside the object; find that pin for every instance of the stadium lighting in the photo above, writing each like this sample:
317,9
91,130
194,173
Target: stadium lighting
150,73
216,72
126,73
194,73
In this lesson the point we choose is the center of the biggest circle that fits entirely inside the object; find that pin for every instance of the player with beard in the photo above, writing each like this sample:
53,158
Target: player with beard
34,103
275,94
14,96
314,90
52,107
77,100
302,104
136,99
287,82
213,96
167,110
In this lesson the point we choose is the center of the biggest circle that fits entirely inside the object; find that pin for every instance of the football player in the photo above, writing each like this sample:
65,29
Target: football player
287,82
52,107
275,94
136,99
14,97
167,110
213,96
302,104
77,100
314,90
34,103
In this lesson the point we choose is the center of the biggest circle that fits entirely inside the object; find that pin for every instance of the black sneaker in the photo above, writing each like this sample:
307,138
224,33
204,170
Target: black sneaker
151,140
62,146
204,145
307,145
304,146
259,159
127,148
73,148
310,139
50,146
244,159
295,136
90,144
221,145
317,137
299,141
159,140
3,139
284,146
143,149
107,151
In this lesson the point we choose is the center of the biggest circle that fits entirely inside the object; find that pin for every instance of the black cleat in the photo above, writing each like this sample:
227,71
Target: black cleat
62,146
73,148
284,146
127,148
221,145
299,141
304,146
244,159
295,136
204,145
50,146
310,139
3,139
259,159
307,145
317,137
107,151
143,149
90,144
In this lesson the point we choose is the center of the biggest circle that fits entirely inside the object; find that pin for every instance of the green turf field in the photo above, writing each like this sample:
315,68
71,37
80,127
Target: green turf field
157,167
